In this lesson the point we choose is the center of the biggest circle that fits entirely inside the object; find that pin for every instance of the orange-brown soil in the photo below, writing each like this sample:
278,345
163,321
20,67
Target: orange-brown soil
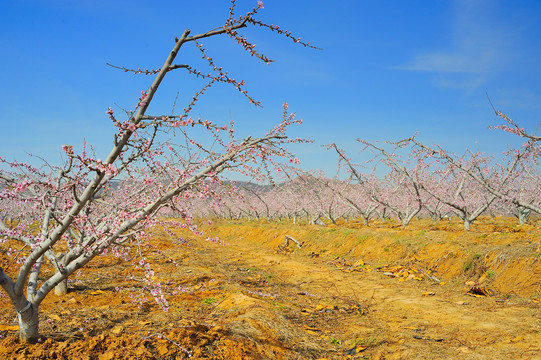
379,292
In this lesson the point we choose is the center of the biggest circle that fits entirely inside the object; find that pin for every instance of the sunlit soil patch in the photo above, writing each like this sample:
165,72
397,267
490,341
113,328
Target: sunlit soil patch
350,291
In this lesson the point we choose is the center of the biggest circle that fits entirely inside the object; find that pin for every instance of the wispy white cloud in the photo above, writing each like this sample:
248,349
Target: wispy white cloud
468,84
520,98
479,46
462,61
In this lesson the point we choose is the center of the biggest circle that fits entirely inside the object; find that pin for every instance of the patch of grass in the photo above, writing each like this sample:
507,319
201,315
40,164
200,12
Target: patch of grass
490,274
335,341
386,249
366,341
369,341
209,300
361,239
469,263
420,233
347,231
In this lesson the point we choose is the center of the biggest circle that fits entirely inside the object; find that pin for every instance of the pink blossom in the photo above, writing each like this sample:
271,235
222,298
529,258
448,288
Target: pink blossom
260,4
22,186
68,149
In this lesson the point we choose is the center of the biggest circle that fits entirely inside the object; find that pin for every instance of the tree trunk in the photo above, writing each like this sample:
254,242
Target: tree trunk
467,224
62,288
523,215
29,324
27,312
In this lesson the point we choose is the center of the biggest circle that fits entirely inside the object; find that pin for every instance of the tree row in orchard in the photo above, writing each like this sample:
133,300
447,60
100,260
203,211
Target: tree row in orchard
407,179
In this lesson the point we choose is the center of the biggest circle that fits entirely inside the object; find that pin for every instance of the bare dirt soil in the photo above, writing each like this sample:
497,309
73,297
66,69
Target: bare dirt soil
379,292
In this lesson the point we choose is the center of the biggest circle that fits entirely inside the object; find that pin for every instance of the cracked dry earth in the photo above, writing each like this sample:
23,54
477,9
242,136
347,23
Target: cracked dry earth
251,300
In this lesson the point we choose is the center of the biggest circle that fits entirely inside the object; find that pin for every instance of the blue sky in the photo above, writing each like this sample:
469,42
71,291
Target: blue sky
386,70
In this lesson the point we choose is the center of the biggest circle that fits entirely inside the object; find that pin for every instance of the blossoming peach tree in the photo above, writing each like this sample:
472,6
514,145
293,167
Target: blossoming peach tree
65,216
469,185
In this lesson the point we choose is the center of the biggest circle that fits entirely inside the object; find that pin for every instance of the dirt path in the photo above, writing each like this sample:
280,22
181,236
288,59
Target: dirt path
397,320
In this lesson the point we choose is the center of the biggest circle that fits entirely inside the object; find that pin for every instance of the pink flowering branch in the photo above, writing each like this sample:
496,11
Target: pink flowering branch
511,126
95,205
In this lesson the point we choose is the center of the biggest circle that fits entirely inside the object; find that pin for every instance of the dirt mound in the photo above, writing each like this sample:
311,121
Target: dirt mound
197,342
509,255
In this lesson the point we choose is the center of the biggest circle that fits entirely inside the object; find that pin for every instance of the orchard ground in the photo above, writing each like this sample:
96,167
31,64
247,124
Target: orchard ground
429,291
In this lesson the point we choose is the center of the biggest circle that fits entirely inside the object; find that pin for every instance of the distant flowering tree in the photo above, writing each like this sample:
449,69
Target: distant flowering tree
358,194
357,197
474,182
399,194
399,190
315,195
460,192
66,216
523,163
526,189
446,182
508,180
429,178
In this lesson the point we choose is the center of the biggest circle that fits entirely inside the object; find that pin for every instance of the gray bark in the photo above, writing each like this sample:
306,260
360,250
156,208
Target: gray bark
29,324
61,288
